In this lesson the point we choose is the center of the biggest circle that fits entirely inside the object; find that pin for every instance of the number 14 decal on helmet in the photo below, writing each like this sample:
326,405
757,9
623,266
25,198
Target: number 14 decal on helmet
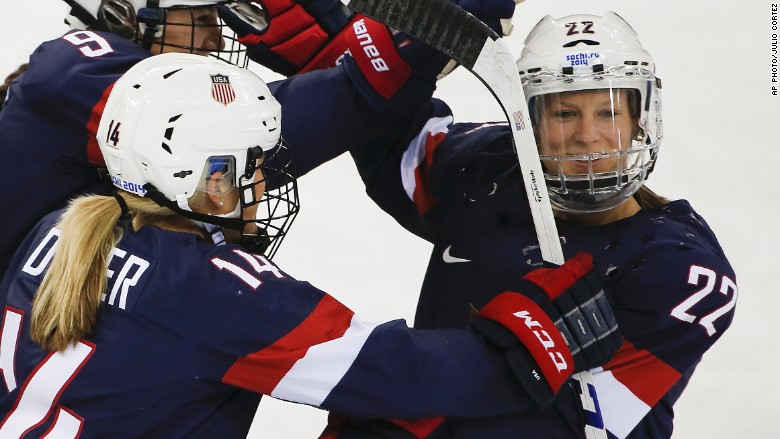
113,133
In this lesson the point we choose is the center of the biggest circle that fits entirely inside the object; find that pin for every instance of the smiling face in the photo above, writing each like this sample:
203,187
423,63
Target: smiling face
591,127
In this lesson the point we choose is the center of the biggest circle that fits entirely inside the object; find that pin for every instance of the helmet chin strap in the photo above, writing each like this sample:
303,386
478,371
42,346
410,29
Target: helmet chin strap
184,204
150,22
254,243
158,197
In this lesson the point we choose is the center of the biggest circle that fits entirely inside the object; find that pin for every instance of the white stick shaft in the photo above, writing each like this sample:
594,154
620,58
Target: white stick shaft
495,61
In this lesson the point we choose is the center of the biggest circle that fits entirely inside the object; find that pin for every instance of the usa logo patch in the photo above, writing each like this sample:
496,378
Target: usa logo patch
221,90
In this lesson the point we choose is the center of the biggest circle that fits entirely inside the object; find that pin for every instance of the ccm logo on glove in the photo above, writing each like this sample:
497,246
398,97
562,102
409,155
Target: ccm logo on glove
544,338
534,329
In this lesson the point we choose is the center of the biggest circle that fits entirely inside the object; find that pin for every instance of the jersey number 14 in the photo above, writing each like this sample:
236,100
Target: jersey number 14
37,399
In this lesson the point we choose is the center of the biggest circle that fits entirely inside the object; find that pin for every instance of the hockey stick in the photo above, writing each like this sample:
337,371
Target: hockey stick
476,47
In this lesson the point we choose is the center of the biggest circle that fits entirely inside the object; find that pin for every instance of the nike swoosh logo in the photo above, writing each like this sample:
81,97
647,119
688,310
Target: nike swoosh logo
448,258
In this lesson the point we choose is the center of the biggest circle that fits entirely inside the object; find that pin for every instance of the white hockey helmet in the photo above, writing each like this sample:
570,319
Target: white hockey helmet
174,119
144,22
590,53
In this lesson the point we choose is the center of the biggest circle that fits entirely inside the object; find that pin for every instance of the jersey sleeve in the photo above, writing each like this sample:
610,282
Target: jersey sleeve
48,127
673,304
329,112
438,164
266,332
69,79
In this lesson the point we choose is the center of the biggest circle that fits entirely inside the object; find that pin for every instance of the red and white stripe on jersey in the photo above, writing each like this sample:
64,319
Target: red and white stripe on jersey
417,159
93,150
632,382
307,363
327,362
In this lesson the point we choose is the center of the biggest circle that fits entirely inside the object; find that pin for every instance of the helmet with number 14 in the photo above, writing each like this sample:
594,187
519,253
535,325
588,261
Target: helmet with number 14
203,139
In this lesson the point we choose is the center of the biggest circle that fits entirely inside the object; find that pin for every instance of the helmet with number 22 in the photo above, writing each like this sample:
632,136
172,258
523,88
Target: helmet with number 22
595,105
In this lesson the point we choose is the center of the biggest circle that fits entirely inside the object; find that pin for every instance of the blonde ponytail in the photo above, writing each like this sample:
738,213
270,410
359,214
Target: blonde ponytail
66,304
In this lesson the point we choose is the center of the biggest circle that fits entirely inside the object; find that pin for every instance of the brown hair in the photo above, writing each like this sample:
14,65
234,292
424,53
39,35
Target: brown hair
7,83
648,199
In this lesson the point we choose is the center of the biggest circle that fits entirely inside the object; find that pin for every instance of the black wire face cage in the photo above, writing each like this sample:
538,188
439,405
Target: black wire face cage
232,52
277,206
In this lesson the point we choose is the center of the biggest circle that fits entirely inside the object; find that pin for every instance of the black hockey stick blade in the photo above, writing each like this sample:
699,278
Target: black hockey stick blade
441,24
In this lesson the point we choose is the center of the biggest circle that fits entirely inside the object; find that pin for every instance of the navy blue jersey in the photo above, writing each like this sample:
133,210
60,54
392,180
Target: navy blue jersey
672,289
190,334
48,125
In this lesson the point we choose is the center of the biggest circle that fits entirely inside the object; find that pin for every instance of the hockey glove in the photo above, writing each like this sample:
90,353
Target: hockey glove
285,35
497,14
294,36
539,347
579,307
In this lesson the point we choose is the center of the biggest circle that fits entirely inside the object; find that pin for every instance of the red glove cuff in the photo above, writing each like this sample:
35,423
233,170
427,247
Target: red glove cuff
374,51
554,281
529,323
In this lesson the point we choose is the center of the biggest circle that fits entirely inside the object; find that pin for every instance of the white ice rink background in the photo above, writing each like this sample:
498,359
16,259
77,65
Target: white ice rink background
720,151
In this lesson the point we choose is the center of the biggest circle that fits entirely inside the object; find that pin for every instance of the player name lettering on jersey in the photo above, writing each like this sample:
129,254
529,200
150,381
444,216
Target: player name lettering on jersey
41,256
124,270
130,269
